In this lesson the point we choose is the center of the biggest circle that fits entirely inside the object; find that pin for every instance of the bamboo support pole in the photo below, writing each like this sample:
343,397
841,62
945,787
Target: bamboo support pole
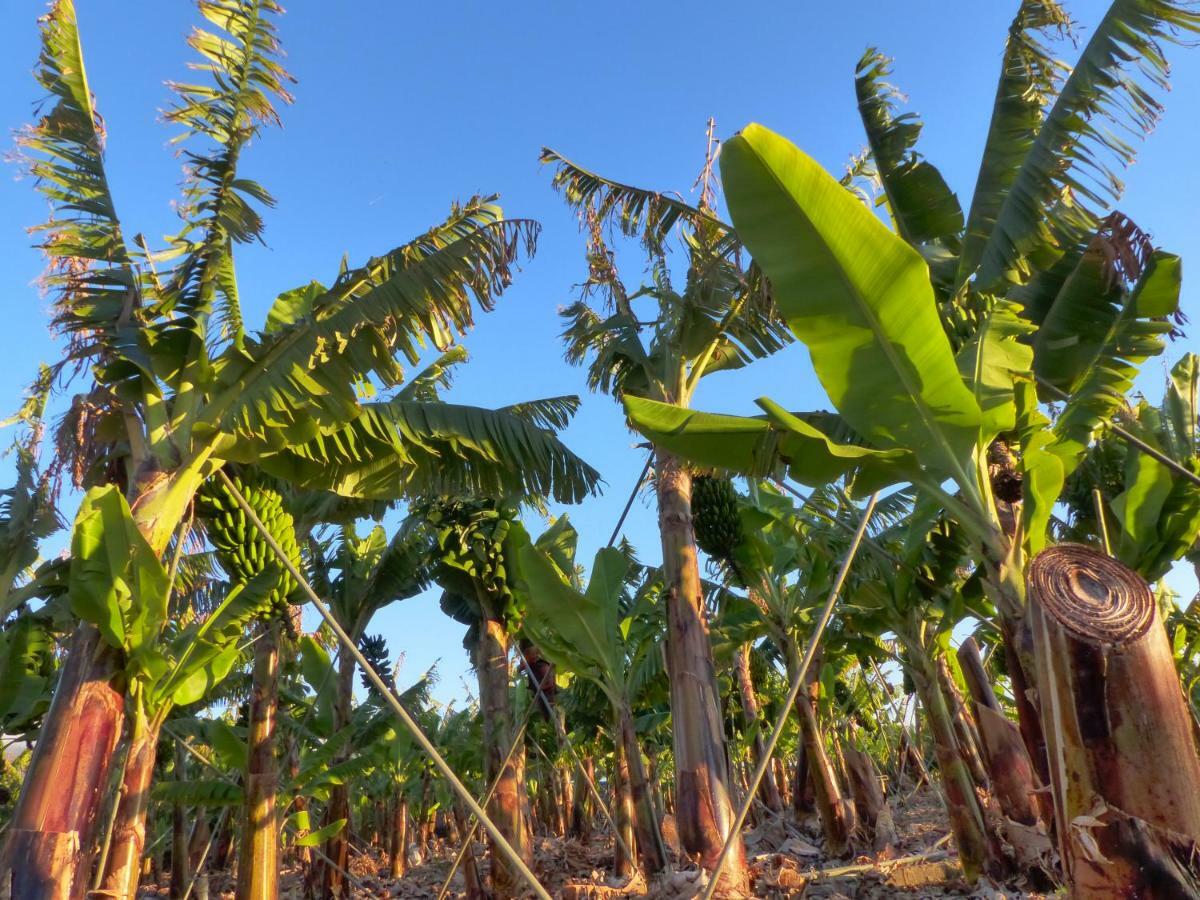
632,496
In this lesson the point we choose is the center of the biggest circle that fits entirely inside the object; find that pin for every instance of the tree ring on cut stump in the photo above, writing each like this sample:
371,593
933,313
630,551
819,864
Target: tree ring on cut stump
1095,597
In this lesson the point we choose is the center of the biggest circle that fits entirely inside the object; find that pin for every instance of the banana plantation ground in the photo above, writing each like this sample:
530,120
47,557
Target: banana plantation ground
785,855
916,638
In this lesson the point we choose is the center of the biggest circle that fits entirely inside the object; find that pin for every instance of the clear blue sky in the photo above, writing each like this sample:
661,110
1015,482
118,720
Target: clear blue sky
401,109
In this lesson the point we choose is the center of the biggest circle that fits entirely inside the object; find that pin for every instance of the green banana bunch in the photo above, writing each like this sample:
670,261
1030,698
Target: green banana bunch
470,538
242,551
715,517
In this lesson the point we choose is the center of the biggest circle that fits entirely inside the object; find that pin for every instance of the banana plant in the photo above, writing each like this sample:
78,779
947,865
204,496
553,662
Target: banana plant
935,344
28,511
28,515
364,574
172,657
909,408
404,769
786,559
474,570
659,341
317,773
587,632
1151,514
180,386
28,667
459,735
928,379
920,601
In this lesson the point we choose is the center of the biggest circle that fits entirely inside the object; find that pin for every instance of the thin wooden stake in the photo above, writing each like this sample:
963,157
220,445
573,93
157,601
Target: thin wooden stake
1098,499
632,496
735,831
386,692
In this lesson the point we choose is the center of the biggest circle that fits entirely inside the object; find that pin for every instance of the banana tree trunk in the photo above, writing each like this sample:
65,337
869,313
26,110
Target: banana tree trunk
965,730
562,808
958,787
181,869
200,848
472,883
781,780
833,806
518,763
298,854
568,799
507,805
804,799
258,862
222,845
835,809
623,863
911,758
769,790
834,742
703,807
53,829
129,832
651,849
975,675
865,788
398,849
581,818
1019,660
1005,755
420,829
1124,768
337,847
652,778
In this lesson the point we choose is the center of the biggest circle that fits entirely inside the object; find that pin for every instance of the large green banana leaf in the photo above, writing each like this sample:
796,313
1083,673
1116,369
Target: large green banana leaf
859,297
65,154
1159,514
203,792
1042,468
1181,409
412,447
1159,510
219,120
117,582
1080,147
1094,350
989,362
760,446
26,670
577,630
922,205
1028,76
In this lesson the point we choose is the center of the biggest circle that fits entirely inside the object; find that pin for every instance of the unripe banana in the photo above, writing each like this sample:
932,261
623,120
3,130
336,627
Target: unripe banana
241,550
715,517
